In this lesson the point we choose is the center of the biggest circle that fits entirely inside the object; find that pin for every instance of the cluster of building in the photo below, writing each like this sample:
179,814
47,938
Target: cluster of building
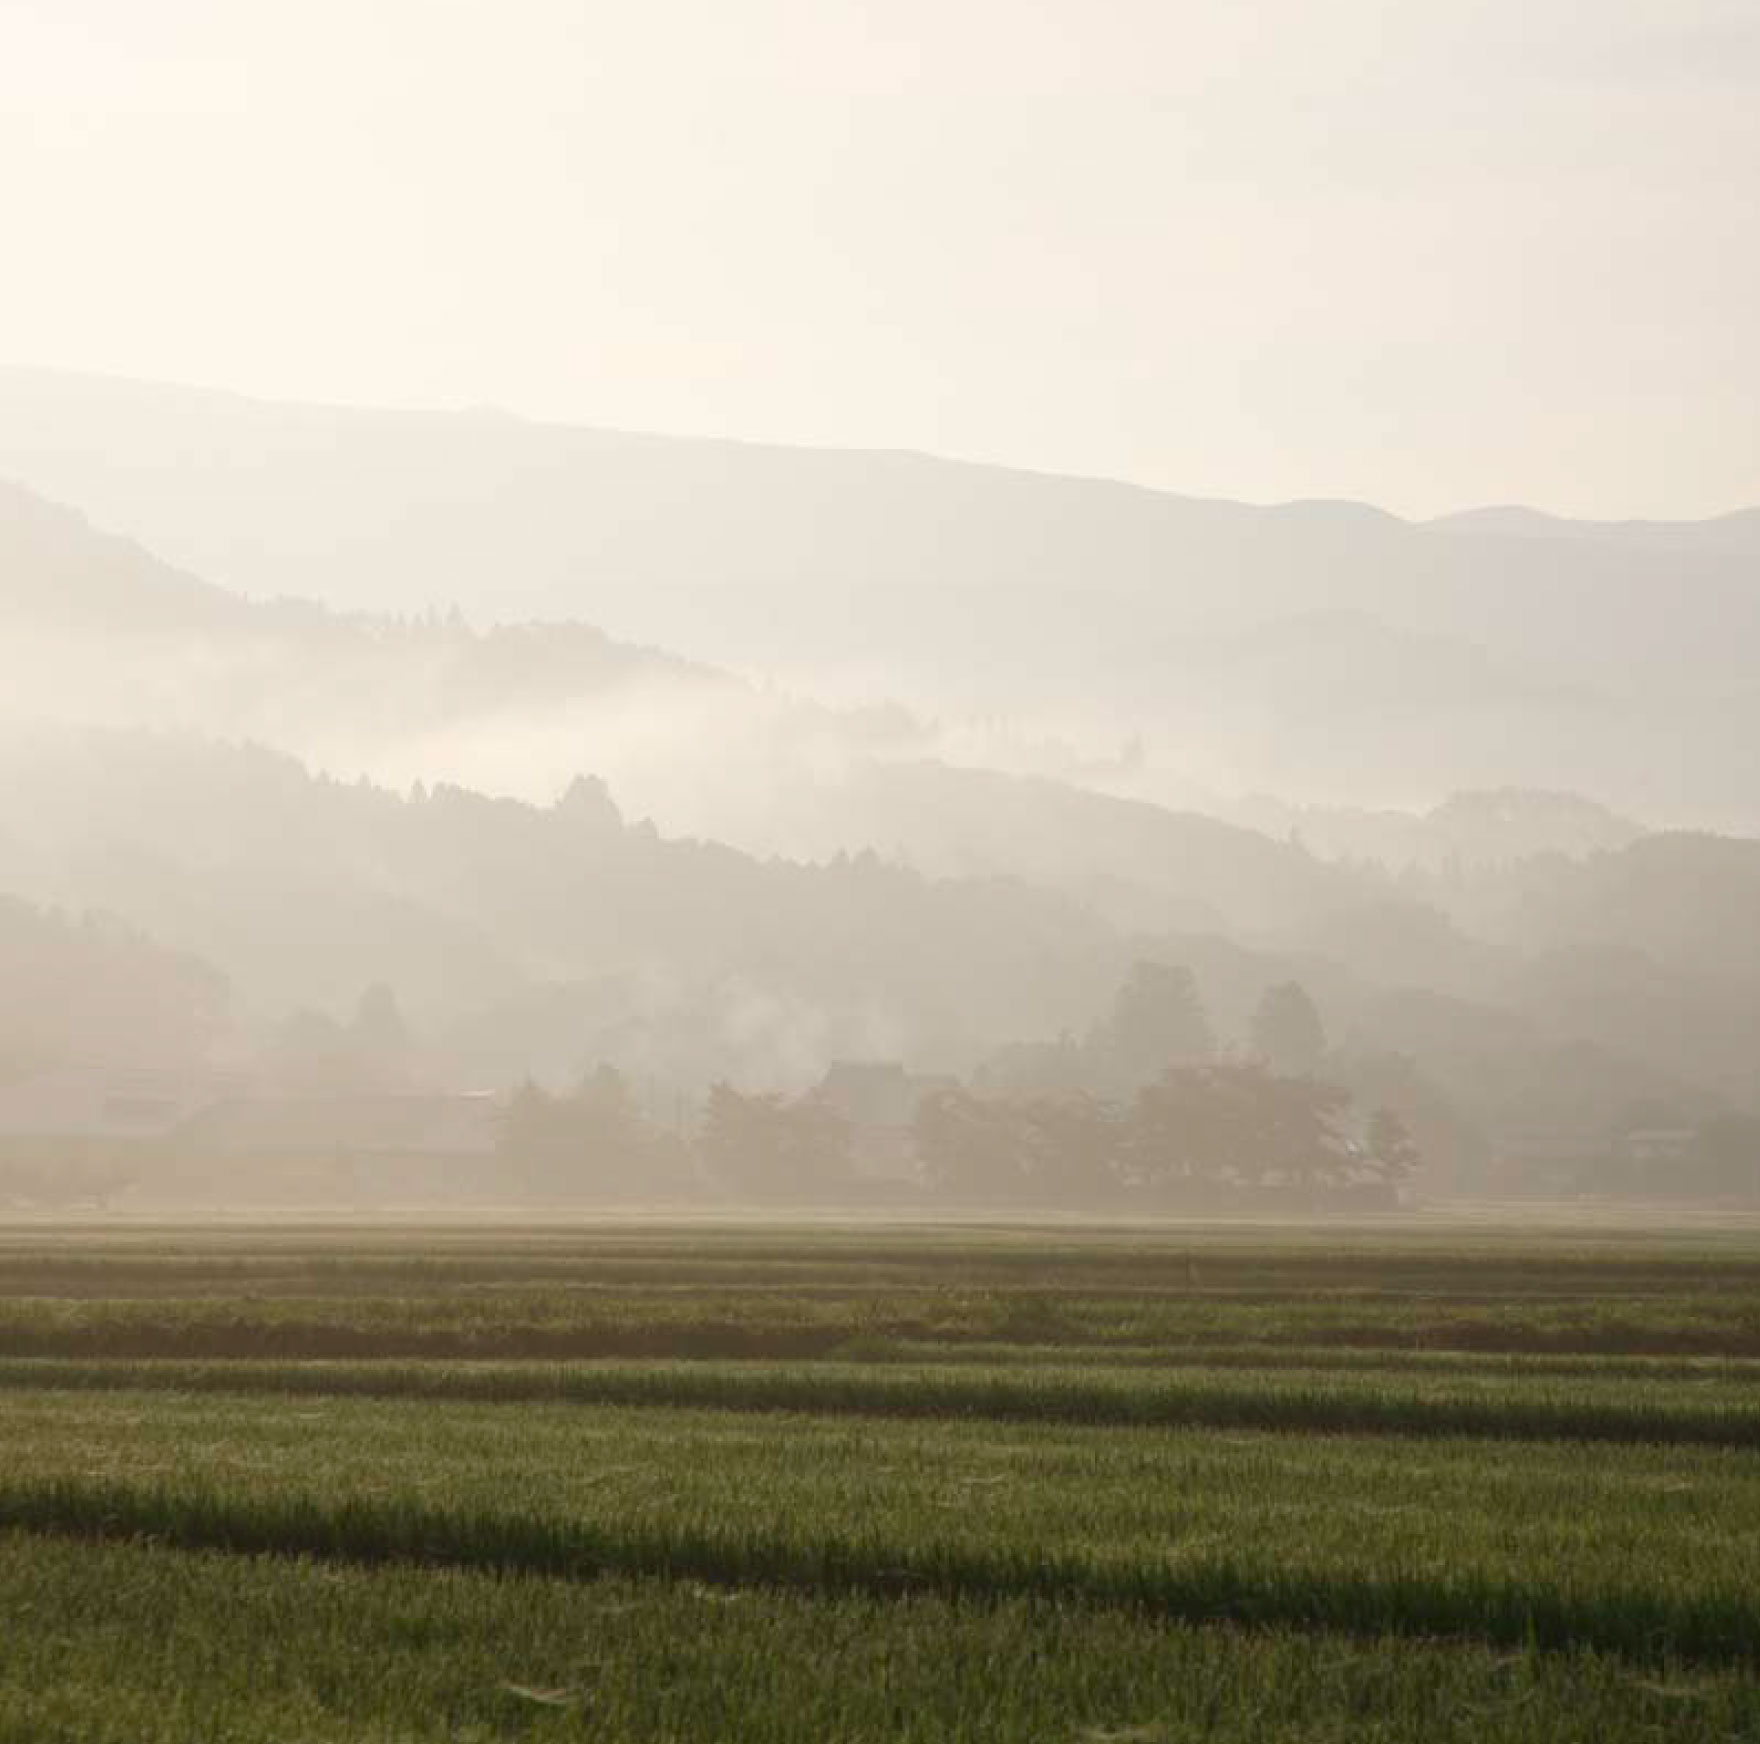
218,1138
88,1135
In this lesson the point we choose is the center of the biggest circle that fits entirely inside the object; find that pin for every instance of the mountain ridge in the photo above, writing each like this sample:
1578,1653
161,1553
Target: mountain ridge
149,387
1064,602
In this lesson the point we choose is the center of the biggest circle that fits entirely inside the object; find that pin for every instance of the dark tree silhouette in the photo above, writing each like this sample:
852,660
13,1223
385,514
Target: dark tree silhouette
1391,1147
1287,1033
971,1148
591,1144
1239,1126
1049,1150
1455,1151
775,1148
1157,1020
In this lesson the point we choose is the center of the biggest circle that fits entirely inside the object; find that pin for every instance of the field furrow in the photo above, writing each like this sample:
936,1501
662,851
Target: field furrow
789,1485
156,1646
1711,1412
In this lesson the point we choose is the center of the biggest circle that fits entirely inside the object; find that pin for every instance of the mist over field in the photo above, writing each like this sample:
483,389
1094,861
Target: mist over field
879,872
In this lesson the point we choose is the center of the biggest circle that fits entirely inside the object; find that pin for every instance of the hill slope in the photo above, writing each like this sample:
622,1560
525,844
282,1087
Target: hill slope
99,633
1398,653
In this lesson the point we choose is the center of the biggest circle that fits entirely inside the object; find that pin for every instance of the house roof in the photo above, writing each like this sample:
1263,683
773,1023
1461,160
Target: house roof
875,1092
90,1103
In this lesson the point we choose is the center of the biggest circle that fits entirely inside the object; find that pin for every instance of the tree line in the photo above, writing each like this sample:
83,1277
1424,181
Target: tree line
1144,1110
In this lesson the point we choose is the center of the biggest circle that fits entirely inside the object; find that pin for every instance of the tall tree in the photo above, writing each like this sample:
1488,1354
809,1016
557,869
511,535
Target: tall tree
1391,1147
1455,1150
1286,1032
1044,1150
378,1038
776,1148
1157,1020
590,1144
1239,1125
971,1148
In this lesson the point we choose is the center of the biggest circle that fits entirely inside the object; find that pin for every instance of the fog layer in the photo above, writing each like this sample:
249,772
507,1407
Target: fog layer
367,835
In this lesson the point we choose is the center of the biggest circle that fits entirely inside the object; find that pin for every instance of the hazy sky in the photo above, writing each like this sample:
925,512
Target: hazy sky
1425,252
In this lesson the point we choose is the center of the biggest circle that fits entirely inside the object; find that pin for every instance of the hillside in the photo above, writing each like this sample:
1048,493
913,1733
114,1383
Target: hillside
74,991
308,890
1326,650
58,572
100,633
520,939
1737,533
538,933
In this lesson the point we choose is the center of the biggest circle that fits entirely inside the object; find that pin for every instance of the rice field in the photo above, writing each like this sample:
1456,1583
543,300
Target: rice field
840,1483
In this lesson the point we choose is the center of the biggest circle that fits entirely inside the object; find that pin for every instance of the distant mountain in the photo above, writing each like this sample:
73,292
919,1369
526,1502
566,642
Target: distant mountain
1539,956
1080,608
104,634
1736,534
1470,831
79,990
680,957
1688,899
97,631
63,577
1145,867
523,939
58,571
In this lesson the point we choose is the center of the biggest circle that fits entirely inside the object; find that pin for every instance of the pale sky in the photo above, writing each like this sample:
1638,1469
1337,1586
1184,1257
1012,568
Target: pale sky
1428,253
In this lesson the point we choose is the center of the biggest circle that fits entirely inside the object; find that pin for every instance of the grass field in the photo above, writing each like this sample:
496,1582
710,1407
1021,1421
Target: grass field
832,1483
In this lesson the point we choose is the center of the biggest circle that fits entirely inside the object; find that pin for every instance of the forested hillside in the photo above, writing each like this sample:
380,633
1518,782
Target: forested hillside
1327,651
550,848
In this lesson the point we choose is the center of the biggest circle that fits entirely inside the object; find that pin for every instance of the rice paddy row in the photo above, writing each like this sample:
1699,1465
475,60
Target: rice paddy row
1708,1411
1180,1261
156,1646
661,1483
586,1322
1641,1551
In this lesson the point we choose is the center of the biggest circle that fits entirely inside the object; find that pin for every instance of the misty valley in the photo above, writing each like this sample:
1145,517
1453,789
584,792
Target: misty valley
313,906
659,1090
879,873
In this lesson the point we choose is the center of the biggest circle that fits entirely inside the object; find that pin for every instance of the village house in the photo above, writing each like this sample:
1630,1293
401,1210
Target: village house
880,1099
81,1134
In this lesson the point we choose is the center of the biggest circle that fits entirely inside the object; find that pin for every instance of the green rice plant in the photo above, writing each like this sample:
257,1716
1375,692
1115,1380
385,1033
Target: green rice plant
1635,1620
762,1324
633,1481
146,1645
1634,1550
1517,1408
